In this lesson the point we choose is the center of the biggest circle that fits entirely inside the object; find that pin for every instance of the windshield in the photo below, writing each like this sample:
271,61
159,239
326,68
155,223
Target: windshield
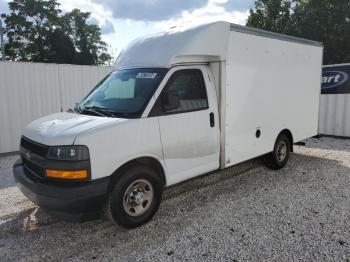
123,93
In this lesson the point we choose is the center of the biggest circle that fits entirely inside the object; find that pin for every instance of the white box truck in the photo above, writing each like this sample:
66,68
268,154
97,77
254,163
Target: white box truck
178,105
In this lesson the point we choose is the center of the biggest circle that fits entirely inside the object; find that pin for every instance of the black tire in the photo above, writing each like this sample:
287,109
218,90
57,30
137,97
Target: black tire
275,160
117,205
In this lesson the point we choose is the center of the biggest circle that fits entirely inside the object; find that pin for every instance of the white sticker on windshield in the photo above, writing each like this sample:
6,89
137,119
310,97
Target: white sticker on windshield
146,75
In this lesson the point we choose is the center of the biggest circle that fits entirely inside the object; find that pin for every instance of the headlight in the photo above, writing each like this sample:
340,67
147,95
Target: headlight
68,153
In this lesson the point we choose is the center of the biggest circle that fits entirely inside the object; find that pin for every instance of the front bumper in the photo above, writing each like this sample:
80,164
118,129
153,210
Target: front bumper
72,202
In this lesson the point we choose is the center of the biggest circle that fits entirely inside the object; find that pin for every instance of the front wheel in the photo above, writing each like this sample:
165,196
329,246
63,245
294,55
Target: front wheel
279,157
135,197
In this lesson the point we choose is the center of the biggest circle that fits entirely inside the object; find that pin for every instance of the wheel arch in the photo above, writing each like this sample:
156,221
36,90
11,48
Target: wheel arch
289,134
139,161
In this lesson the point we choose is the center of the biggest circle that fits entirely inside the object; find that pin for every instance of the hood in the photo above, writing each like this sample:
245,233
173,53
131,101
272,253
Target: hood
63,128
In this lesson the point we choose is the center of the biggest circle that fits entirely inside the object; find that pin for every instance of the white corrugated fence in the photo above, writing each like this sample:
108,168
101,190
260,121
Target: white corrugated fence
334,118
32,90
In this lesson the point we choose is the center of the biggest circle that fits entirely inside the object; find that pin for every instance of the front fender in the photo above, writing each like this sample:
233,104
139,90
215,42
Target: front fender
112,146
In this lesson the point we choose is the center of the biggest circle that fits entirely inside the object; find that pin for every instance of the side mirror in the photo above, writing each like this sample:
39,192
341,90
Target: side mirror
170,101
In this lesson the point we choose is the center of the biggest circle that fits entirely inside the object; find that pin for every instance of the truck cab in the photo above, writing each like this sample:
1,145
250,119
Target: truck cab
164,119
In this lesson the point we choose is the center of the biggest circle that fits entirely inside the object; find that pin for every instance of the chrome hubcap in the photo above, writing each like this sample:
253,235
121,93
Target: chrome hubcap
281,151
138,197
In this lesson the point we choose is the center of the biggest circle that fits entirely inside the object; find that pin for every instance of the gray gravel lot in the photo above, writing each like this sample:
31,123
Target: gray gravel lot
243,213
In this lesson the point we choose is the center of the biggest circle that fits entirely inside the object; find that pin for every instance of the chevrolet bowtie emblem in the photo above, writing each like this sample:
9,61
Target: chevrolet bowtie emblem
27,155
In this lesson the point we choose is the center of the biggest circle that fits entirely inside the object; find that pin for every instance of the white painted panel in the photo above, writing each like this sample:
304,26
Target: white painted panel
77,81
271,85
322,113
335,115
27,91
330,114
32,90
339,115
347,116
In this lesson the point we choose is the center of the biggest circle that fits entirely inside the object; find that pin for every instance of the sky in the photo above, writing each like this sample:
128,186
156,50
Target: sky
121,21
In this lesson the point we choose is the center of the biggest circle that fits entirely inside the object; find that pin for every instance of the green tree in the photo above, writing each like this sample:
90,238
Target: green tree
326,21
86,38
28,28
38,31
63,50
271,15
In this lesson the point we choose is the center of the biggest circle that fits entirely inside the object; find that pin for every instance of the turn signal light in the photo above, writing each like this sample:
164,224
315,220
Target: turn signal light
79,174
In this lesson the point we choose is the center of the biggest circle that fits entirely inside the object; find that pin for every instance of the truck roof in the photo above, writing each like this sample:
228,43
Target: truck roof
201,44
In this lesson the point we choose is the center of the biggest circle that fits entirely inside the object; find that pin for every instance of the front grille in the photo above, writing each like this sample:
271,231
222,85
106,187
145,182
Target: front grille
34,147
36,152
33,168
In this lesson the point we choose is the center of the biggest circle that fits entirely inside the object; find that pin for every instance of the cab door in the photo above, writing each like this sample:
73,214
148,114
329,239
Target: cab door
187,113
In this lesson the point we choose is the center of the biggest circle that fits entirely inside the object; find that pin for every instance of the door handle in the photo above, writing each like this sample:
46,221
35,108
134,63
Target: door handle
212,119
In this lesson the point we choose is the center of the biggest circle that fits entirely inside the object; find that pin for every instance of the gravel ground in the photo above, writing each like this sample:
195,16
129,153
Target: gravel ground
243,213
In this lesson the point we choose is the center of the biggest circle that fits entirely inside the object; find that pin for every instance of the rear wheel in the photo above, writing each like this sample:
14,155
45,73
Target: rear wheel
135,197
279,157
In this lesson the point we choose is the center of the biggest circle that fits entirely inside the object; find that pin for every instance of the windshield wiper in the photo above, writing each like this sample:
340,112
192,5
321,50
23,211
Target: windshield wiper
95,112
98,110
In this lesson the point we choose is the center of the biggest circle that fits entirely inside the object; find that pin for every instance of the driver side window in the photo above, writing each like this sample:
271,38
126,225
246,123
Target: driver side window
184,92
